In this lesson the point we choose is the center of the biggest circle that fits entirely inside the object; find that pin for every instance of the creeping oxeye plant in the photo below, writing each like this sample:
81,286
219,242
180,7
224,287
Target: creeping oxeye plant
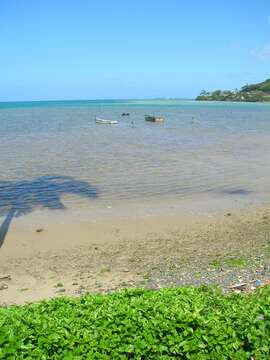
179,323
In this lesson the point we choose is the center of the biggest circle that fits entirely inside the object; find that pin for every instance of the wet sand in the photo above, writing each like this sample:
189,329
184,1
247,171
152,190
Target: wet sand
71,257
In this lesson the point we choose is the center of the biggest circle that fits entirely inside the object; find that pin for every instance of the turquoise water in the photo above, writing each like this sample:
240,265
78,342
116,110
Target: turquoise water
128,103
201,148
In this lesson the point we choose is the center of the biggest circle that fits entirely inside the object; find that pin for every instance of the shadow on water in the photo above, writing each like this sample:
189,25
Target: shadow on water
22,197
236,192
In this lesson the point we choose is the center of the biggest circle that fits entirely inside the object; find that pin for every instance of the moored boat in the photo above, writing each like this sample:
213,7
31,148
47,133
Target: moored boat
153,118
104,121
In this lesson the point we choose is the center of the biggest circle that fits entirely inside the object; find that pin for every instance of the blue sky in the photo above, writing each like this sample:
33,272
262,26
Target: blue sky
57,49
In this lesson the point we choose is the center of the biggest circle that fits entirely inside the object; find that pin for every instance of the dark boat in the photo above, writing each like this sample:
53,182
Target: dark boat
153,118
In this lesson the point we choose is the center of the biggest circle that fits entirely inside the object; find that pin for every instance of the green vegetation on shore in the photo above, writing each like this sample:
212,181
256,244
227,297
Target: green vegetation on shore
251,93
178,323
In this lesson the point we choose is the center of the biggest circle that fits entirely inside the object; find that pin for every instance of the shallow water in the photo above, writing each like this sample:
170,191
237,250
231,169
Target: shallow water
202,148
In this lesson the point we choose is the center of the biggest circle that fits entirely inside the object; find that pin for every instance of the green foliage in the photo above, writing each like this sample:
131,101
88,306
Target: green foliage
233,261
215,263
251,93
238,261
263,86
183,323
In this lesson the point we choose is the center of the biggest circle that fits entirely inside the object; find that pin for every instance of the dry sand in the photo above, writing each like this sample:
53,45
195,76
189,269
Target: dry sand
97,256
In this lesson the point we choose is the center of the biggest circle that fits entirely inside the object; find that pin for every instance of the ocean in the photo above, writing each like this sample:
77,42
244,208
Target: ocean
54,155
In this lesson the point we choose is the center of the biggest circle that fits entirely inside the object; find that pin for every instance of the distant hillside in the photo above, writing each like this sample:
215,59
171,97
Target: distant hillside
251,92
263,86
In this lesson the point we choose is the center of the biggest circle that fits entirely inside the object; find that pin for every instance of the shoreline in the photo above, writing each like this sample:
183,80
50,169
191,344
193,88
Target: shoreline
154,251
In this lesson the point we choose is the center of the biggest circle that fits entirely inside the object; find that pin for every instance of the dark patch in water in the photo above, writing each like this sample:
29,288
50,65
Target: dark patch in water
22,197
237,192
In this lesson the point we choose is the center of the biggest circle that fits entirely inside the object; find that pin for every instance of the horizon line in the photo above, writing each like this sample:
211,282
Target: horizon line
98,99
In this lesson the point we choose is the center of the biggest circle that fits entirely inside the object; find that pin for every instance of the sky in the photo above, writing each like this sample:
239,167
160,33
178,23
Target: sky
89,49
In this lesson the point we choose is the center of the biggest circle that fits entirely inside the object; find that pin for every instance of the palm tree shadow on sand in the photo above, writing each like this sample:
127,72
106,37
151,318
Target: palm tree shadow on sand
22,197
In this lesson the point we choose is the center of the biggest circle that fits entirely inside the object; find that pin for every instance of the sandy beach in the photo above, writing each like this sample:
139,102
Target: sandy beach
66,258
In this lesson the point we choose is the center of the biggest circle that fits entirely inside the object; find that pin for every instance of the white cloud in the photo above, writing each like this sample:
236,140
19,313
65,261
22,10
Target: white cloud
262,52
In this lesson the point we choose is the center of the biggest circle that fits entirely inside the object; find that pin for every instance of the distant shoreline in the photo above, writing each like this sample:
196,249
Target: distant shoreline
233,101
94,100
249,93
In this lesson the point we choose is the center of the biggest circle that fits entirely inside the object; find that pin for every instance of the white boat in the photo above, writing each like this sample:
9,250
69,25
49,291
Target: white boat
103,121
